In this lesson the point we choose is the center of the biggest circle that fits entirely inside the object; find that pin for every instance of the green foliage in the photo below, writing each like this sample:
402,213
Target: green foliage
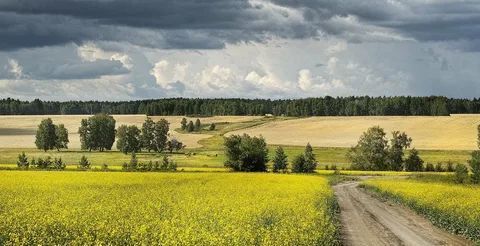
322,106
174,145
97,132
128,139
46,139
198,125
44,163
371,151
184,123
161,135
280,161
298,164
190,127
413,163
450,167
211,127
306,162
245,153
148,134
439,168
84,163
22,161
429,168
61,137
398,143
475,165
461,174
59,164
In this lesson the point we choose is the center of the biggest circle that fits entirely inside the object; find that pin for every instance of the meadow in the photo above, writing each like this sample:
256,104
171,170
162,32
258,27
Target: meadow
454,207
78,208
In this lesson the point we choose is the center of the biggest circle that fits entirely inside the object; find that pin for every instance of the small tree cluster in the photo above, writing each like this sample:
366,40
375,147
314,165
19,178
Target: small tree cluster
97,132
306,162
135,165
50,136
373,151
245,153
193,127
153,136
47,163
22,162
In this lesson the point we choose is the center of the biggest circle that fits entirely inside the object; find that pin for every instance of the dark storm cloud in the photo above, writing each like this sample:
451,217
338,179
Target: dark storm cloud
211,24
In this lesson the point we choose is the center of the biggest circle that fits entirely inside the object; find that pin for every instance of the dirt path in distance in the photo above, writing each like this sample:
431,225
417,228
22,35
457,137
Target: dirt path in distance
369,221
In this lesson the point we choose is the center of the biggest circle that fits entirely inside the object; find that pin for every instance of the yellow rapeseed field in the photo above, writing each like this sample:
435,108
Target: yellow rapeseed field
452,206
456,132
84,208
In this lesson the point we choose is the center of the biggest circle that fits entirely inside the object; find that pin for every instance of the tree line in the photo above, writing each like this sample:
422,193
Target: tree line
98,133
322,106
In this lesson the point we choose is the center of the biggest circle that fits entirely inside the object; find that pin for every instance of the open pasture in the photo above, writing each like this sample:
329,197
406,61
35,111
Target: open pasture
19,131
78,208
456,132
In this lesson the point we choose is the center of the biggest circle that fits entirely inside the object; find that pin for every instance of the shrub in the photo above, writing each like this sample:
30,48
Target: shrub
84,163
450,167
439,167
461,173
298,163
212,127
22,161
475,165
429,168
245,153
413,163
59,164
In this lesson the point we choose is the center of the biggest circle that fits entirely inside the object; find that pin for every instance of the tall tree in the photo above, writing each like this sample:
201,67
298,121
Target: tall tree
62,137
184,123
280,160
198,125
413,163
97,132
46,138
148,134
310,160
371,151
161,134
398,143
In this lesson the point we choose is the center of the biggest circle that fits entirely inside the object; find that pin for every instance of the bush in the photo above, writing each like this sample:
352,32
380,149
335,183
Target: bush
84,163
461,174
59,164
413,163
475,165
450,167
307,164
245,153
429,168
439,167
22,161
298,163
212,127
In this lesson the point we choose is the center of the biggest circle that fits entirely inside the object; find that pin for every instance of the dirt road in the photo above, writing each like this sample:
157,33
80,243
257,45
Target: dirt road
369,221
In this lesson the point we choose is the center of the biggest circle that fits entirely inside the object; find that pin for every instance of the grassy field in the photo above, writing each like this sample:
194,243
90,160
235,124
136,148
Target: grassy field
456,132
449,205
78,208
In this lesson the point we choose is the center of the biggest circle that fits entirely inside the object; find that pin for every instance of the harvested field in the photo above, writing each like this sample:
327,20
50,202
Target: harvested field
456,132
19,131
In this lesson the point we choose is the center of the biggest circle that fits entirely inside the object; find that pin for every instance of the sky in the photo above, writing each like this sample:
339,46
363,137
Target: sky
141,49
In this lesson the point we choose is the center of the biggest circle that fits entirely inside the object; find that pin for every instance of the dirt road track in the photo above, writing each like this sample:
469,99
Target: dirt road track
369,221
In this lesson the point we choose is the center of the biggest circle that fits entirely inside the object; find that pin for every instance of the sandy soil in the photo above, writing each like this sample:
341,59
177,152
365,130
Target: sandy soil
456,132
369,221
19,131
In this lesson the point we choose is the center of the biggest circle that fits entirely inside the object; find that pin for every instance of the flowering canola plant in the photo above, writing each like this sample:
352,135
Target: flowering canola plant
78,208
452,206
